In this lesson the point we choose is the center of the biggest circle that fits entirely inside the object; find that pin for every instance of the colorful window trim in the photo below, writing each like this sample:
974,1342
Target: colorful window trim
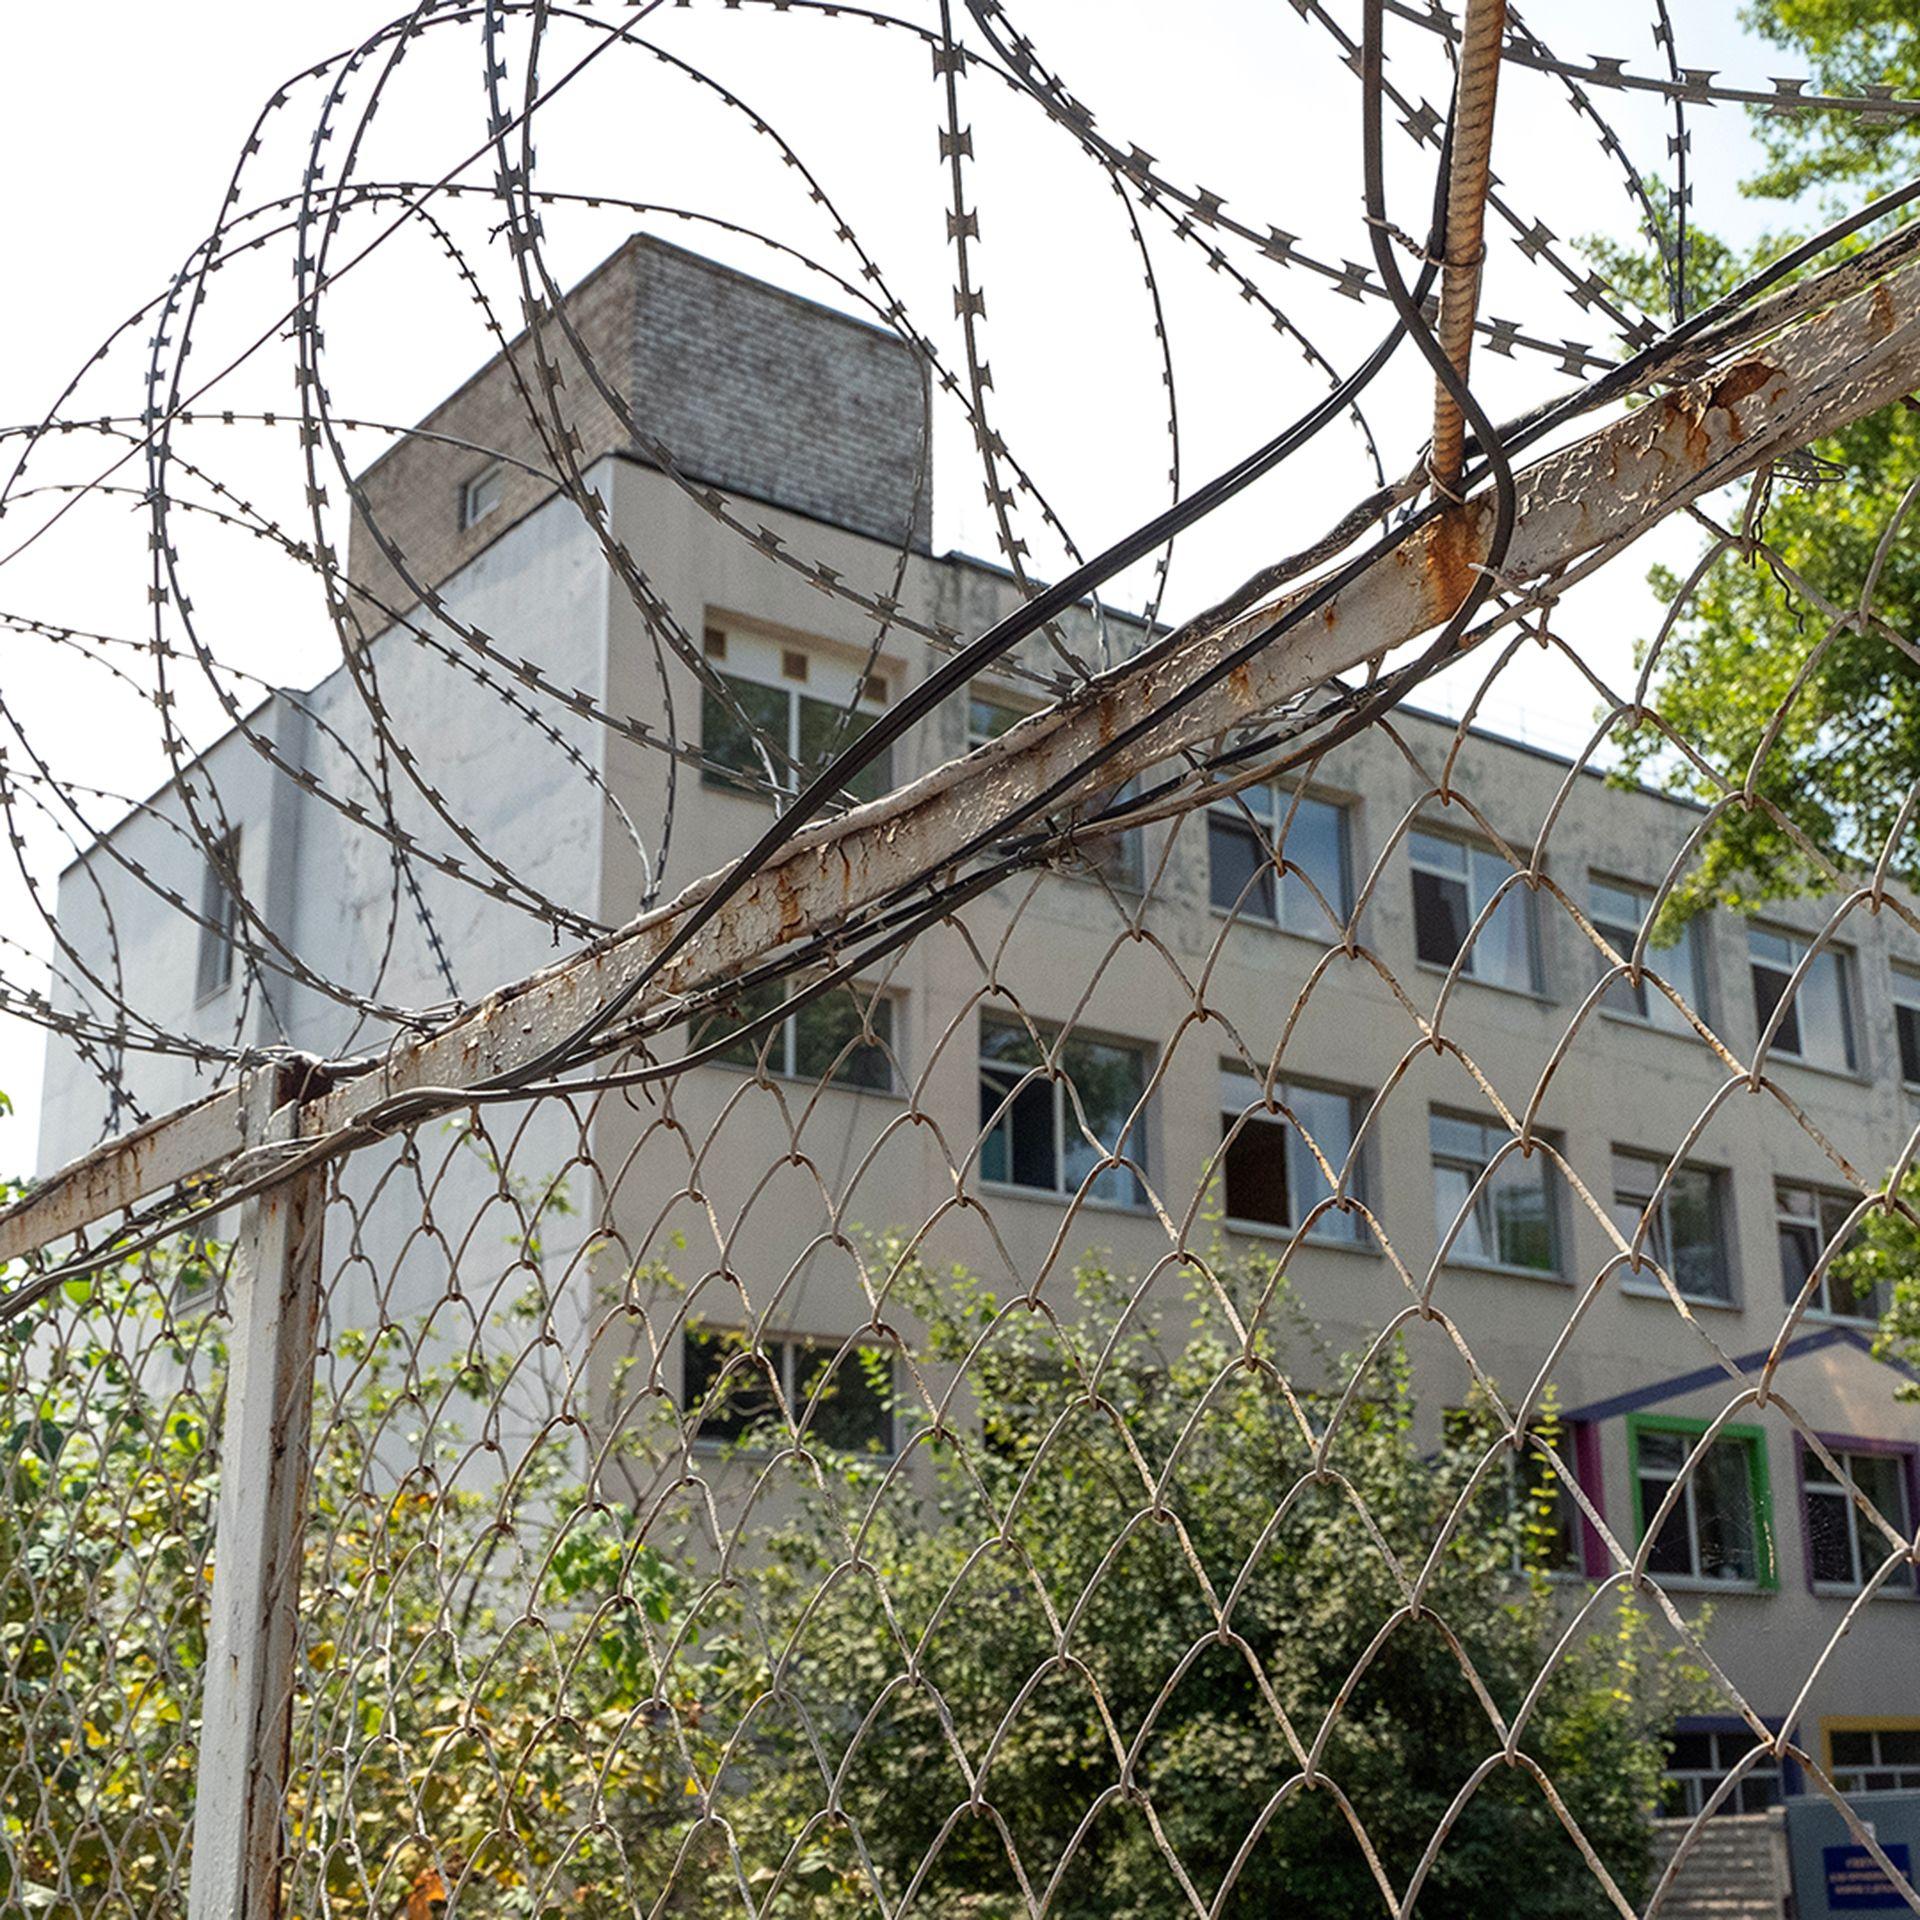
1759,1486
1849,1771
1843,1443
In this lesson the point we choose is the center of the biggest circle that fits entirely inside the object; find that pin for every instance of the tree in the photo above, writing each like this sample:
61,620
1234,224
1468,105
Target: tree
1060,1627
516,1726
1751,645
1763,639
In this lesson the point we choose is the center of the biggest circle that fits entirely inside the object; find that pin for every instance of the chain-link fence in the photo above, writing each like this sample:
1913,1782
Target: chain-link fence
1177,1286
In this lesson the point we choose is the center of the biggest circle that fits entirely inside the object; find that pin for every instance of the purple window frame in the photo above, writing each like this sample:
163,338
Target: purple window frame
1902,1450
1595,1561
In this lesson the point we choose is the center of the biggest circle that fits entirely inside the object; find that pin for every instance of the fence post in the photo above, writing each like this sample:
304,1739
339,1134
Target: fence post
247,1701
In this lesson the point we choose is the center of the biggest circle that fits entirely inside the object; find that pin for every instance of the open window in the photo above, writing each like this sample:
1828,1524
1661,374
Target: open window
1271,1168
1046,1129
1280,858
1817,1027
1453,882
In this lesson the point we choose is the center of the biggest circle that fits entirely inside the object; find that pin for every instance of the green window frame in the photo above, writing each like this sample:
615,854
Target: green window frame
1759,1491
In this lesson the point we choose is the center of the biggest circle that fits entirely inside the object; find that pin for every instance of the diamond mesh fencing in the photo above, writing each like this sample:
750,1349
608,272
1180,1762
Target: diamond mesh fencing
794,1227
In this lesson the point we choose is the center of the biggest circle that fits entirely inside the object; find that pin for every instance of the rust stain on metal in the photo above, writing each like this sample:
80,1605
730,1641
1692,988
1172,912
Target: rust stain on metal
1447,562
1740,382
793,912
1880,315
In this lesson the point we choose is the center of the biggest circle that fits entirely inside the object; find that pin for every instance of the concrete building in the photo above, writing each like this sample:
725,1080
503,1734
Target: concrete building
807,430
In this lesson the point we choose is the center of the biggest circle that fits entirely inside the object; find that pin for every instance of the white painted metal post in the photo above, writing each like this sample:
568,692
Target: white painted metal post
246,1708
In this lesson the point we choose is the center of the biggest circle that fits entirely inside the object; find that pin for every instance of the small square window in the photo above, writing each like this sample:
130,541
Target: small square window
1453,884
793,663
482,495
219,916
1619,912
1817,1026
1510,1219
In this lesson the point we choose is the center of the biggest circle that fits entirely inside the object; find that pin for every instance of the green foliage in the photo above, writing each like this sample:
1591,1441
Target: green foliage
1849,47
1885,1254
1818,715
1060,1604
511,1701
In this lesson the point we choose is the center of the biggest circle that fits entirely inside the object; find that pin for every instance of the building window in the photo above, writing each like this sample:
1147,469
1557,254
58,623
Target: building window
833,1399
1047,1128
1809,1220
844,1036
1701,1756
1270,1173
774,736
1845,1546
1619,912
1873,1759
1510,1222
1906,1021
1686,1227
482,495
219,916
1817,1027
1269,852
1452,883
1719,1528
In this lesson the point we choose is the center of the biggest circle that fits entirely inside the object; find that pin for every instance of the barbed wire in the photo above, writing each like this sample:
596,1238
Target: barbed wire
754,1389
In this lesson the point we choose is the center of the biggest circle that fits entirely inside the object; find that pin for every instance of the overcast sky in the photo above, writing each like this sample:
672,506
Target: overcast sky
120,124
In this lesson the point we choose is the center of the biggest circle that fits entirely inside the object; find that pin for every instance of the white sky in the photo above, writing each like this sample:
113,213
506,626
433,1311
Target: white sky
119,127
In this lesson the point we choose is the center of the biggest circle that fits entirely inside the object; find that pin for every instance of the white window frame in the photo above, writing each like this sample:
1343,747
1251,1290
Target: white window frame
1844,979
1657,1247
1850,1778
1556,1226
1906,997
1866,1545
831,680
482,495
777,1051
1468,961
1274,807
1820,1307
1655,1009
1065,1128
1698,1786
790,1347
1241,1094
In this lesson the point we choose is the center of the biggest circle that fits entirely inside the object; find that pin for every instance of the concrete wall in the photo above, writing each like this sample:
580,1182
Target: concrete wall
748,388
